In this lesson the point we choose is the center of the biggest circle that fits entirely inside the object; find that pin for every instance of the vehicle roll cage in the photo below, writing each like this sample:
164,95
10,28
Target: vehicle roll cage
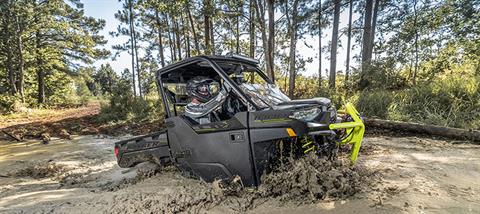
212,61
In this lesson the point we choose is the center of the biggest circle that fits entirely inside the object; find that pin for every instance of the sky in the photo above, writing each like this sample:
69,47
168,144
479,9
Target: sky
105,9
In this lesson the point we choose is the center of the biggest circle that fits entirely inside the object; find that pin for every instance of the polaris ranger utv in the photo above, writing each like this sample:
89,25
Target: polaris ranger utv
253,124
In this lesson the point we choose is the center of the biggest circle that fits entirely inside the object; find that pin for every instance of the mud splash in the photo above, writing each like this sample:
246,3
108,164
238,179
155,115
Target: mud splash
40,170
302,181
311,178
138,173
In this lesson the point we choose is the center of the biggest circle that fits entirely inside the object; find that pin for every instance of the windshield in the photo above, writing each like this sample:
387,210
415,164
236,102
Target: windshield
254,84
264,95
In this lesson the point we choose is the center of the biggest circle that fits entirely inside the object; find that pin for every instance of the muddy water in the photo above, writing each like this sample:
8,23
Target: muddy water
410,175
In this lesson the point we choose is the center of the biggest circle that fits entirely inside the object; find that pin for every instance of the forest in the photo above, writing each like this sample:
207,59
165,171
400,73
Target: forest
239,106
409,60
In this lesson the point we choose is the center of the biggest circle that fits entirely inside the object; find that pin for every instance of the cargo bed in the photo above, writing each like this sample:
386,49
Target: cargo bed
151,147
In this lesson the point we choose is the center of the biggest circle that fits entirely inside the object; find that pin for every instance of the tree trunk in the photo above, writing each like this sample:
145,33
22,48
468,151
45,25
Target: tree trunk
21,61
194,33
186,38
139,76
171,39
271,39
333,50
11,71
7,40
39,68
177,38
132,46
349,34
287,74
212,36
367,29
206,20
39,61
252,29
372,34
319,43
456,133
259,10
416,43
237,35
293,44
160,42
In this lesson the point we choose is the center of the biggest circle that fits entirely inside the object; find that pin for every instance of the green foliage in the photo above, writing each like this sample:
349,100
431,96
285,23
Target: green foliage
425,67
43,47
131,109
448,102
105,78
124,106
8,104
374,103
451,102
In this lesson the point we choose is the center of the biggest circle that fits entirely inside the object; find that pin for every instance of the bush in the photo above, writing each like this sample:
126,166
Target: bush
374,103
64,91
448,102
134,109
8,103
120,104
124,106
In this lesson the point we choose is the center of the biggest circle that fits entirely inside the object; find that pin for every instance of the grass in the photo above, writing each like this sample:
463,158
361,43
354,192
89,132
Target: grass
30,115
449,102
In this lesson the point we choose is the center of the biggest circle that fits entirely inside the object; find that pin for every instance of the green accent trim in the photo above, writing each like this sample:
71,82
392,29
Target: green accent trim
273,120
307,144
308,150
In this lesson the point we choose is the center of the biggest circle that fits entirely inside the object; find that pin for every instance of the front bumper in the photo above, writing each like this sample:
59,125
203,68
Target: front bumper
354,130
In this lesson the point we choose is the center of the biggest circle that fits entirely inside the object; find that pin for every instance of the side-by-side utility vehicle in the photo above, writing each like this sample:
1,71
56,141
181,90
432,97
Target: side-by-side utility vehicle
245,127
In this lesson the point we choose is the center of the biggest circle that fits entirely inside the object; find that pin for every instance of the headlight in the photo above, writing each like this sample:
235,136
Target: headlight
306,115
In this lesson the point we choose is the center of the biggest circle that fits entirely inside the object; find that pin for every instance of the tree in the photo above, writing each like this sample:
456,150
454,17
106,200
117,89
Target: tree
46,42
293,42
192,27
126,17
319,43
62,37
133,35
368,38
160,38
207,11
367,30
252,39
349,39
7,36
333,52
105,78
271,40
416,41
267,42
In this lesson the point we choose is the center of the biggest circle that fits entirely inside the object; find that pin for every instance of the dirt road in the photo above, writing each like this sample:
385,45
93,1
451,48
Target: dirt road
416,175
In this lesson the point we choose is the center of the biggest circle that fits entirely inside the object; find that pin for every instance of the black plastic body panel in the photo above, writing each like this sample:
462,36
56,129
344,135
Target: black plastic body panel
152,147
213,153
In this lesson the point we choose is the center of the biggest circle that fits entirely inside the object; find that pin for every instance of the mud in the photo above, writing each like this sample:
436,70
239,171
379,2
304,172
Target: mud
41,170
311,178
393,175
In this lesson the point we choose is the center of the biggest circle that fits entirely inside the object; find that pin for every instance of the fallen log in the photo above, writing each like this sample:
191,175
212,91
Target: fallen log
12,136
455,133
